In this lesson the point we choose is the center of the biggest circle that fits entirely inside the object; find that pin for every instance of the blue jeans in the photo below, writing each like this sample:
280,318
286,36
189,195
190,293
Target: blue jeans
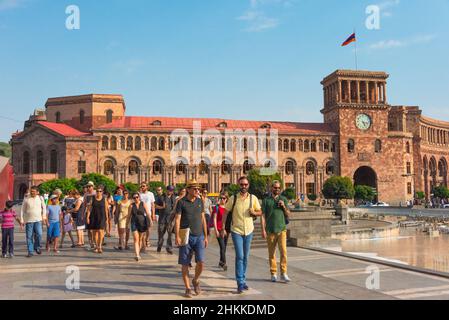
242,245
34,236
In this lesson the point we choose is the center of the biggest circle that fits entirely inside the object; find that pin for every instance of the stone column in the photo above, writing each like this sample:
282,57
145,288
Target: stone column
340,96
385,92
358,91
367,92
376,92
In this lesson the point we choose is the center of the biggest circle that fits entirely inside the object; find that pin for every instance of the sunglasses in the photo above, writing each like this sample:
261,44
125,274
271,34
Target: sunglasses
99,191
244,184
224,198
135,197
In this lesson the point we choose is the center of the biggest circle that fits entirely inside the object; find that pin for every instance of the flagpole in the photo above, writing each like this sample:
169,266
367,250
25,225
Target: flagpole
355,42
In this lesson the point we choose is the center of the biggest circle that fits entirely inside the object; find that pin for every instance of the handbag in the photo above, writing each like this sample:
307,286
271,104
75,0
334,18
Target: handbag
184,234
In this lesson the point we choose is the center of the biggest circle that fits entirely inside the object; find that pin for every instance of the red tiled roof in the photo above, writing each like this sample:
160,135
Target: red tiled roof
168,123
63,129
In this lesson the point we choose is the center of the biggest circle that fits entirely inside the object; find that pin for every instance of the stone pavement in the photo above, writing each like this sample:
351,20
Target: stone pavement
116,275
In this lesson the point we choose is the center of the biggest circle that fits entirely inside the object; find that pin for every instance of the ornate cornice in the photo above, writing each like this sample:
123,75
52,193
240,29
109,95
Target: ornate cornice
89,98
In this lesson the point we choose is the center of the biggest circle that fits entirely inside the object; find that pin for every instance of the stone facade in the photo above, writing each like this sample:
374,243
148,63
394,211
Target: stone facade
392,148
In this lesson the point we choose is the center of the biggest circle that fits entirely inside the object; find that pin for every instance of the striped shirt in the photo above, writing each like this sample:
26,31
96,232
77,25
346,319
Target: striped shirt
7,219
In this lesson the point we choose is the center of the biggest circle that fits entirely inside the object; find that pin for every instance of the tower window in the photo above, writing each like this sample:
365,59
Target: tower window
58,117
351,146
82,113
109,115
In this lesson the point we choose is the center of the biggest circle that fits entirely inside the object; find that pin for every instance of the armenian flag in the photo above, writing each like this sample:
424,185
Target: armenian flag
351,39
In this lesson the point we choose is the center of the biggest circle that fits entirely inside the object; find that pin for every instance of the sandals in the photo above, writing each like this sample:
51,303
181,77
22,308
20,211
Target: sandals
196,287
138,258
188,294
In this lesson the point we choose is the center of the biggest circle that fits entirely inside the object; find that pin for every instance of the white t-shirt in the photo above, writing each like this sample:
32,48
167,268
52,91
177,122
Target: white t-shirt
148,199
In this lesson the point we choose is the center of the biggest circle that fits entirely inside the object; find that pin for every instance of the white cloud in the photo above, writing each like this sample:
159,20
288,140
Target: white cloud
390,44
10,4
257,19
386,6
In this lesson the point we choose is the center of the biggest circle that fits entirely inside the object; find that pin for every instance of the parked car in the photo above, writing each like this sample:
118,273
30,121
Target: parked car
381,204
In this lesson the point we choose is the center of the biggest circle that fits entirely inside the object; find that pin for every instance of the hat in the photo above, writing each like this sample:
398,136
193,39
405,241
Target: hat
171,188
193,184
58,191
53,197
90,183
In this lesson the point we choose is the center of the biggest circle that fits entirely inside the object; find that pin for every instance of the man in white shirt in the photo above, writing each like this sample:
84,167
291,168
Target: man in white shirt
147,197
32,215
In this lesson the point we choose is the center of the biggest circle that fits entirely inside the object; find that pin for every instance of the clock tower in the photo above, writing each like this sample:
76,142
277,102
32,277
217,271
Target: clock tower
355,105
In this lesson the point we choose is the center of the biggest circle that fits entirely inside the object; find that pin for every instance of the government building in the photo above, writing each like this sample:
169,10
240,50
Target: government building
394,149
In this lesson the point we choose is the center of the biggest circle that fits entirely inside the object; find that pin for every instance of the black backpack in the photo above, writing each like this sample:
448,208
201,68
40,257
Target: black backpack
228,223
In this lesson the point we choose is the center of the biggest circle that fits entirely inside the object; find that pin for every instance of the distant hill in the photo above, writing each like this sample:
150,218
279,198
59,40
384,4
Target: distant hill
5,150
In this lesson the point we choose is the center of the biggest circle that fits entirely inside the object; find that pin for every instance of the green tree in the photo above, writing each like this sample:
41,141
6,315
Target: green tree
97,179
441,192
312,197
364,193
338,188
153,185
131,187
260,184
180,186
420,195
5,150
289,193
66,185
233,189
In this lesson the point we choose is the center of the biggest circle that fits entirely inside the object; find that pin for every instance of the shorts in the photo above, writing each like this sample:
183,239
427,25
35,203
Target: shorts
53,230
196,245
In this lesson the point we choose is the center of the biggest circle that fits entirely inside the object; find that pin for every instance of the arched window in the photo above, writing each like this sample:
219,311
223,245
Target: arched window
138,144
326,145
203,168
280,145
407,147
26,163
245,144
289,168
310,168
133,167
321,146
109,115
330,168
313,146
153,144
58,117
378,146
122,143
129,143
108,167
157,167
225,168
247,166
351,146
104,143
53,161
268,164
147,143
300,146
442,170
286,145
293,145
180,168
82,114
39,162
161,144
229,144
306,146
113,143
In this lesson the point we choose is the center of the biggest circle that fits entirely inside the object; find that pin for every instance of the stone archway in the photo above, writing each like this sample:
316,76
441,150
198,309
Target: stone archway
366,176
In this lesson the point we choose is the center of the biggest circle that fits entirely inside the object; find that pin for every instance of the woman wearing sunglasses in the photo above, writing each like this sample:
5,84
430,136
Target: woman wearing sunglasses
137,219
217,216
97,218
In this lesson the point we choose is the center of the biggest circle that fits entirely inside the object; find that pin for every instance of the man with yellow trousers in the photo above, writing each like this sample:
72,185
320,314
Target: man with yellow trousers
274,229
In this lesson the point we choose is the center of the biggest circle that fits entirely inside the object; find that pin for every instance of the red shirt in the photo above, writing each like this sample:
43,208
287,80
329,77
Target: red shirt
221,211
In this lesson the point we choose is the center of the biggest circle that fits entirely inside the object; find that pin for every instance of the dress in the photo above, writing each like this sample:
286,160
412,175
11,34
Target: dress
123,214
139,221
98,214
67,227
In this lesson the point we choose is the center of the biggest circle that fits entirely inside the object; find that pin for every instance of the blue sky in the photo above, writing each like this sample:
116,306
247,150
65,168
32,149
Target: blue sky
238,59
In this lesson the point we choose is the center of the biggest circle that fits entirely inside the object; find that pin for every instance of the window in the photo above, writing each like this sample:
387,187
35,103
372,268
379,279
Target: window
104,143
333,147
157,123
133,167
409,188
306,146
326,146
113,143
81,167
223,125
330,169
293,145
26,163
321,146
286,146
203,168
39,162
147,143
300,146
351,146
409,168
138,144
229,144
407,147
313,146
180,168
82,113
58,117
129,143
108,168
310,188
157,167
289,168
225,168
378,146
109,115
122,143
53,161
153,144
265,126
310,168
161,144
247,167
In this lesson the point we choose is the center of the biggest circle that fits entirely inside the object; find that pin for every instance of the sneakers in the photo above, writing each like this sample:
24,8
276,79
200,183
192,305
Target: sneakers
170,251
188,294
274,278
240,289
196,287
245,287
4,256
285,278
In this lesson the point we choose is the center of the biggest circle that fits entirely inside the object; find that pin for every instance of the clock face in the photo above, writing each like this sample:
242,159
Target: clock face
363,121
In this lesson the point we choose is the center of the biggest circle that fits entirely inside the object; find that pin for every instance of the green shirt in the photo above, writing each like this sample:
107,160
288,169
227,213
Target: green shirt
274,216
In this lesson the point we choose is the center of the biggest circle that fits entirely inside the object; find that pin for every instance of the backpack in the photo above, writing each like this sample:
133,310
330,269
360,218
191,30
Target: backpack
229,216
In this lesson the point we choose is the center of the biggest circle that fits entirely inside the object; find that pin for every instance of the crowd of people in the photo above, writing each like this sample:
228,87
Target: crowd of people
190,215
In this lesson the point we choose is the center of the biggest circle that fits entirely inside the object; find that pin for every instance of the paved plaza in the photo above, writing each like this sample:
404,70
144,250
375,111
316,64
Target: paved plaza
116,275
